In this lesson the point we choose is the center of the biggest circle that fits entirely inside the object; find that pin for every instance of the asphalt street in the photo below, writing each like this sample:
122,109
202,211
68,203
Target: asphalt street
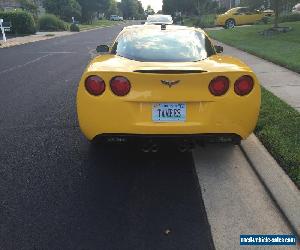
57,191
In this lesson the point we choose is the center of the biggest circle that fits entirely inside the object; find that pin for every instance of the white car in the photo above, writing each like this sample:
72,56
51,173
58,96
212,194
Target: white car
115,18
296,9
159,19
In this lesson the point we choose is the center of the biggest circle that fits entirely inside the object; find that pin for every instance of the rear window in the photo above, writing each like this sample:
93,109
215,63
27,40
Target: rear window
163,19
155,45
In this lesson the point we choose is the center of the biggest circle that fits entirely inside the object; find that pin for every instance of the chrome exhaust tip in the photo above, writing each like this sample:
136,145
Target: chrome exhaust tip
186,146
154,148
150,147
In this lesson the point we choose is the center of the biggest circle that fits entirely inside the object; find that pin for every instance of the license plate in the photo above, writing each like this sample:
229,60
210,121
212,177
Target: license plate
169,112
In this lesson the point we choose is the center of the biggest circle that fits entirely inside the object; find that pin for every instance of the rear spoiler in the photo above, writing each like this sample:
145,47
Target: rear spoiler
158,71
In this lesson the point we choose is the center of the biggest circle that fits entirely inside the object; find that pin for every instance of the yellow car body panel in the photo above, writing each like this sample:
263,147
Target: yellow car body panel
109,114
239,18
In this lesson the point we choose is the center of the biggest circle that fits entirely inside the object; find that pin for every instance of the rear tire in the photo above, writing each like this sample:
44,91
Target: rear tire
230,24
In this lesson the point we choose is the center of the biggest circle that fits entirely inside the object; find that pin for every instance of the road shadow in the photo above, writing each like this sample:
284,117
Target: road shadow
144,200
60,192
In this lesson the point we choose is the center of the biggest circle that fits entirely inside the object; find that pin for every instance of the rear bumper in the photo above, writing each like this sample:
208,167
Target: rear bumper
169,137
130,118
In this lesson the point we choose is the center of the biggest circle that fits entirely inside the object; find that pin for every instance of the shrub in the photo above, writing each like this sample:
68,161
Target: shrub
290,18
221,10
74,27
264,20
49,22
205,21
22,21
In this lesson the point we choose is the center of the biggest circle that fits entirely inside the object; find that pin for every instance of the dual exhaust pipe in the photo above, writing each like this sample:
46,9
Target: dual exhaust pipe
150,147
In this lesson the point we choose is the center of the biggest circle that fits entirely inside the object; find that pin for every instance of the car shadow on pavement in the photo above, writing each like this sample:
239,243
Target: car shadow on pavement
144,200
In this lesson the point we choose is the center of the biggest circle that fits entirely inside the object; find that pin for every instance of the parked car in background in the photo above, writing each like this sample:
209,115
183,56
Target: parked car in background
241,16
159,19
296,9
115,18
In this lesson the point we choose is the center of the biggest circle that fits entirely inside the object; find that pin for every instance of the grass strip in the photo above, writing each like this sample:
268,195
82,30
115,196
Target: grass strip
282,49
97,24
278,129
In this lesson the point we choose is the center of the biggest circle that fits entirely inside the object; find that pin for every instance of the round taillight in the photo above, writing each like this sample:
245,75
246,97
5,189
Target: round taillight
120,86
243,85
219,85
95,85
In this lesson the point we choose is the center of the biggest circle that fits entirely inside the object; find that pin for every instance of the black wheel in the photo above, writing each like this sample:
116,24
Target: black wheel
230,24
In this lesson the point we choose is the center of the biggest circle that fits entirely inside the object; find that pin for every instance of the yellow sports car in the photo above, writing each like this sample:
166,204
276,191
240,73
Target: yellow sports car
240,16
169,81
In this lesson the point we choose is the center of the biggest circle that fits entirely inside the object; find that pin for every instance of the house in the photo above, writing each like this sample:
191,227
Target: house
9,4
228,4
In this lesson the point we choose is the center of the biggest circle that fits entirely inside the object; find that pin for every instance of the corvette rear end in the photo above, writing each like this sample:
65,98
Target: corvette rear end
120,97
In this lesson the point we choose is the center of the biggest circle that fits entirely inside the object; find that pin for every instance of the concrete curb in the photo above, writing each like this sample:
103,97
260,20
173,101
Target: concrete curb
282,190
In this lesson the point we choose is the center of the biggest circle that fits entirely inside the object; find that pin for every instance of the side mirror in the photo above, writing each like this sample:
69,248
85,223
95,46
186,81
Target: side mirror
143,22
102,49
219,49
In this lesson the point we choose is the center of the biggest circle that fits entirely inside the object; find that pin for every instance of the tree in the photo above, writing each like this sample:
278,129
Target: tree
141,11
90,8
255,4
149,10
113,9
65,9
30,6
187,7
132,9
277,5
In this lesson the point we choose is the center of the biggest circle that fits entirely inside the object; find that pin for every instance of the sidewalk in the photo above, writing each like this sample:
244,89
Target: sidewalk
39,36
280,81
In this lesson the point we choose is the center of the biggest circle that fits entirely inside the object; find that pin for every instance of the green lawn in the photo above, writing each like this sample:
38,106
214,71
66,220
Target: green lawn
96,24
278,129
282,49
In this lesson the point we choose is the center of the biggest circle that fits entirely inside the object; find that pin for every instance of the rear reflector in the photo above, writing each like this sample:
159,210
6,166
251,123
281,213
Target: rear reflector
95,85
219,85
244,85
120,86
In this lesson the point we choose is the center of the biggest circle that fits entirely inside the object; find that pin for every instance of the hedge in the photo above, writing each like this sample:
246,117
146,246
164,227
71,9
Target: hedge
22,21
49,22
290,18
205,21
